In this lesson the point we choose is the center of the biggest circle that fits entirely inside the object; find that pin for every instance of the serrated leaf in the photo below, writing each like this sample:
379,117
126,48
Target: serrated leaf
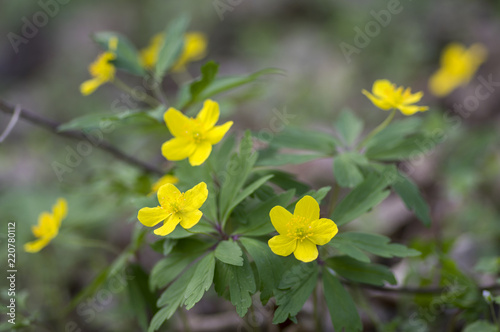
293,291
201,281
349,126
346,171
302,139
411,196
376,244
342,309
238,282
319,194
288,159
481,326
347,248
269,266
171,49
229,252
367,273
127,57
361,199
141,298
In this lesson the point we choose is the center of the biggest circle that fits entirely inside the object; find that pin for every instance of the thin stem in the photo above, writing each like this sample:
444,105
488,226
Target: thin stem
333,199
378,129
413,290
142,96
159,94
184,319
317,319
52,126
11,123
493,313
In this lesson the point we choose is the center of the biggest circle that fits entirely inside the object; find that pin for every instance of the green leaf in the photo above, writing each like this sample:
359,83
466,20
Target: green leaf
346,171
361,199
172,46
347,248
234,177
490,265
481,326
411,196
167,269
319,194
373,243
259,222
104,120
302,139
394,133
127,57
141,298
409,147
287,181
342,309
208,73
201,281
229,252
293,291
288,159
269,266
367,273
240,281
349,127
171,299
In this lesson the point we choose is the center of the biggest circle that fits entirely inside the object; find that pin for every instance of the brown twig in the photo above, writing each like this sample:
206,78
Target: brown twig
52,126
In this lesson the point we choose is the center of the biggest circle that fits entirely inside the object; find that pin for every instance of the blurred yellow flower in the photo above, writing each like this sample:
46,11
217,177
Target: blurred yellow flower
302,231
388,96
193,138
175,207
101,70
162,181
458,65
48,226
195,48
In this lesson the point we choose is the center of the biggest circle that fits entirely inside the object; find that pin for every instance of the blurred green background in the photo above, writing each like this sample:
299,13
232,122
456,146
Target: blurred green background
460,179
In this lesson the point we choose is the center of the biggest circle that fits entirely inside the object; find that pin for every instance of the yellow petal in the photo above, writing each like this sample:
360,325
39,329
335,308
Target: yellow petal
44,226
88,87
190,219
195,197
217,133
209,114
177,149
168,193
409,98
280,217
151,216
37,245
323,230
195,45
308,208
59,211
282,245
162,181
382,88
168,226
441,83
200,154
382,104
410,110
177,123
306,251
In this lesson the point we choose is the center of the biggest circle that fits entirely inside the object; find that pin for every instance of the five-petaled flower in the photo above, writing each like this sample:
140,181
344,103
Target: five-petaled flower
301,232
195,48
386,96
101,70
162,181
48,226
458,65
175,207
193,138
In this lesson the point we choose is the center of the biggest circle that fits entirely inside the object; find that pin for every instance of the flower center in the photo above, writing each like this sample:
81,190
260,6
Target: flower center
177,205
299,228
197,137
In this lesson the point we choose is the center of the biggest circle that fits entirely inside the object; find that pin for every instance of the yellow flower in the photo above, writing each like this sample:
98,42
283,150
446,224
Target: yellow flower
458,65
387,96
101,70
162,181
195,48
175,207
193,138
48,226
302,231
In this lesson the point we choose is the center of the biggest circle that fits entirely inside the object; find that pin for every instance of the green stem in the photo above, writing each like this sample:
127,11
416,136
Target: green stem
184,319
377,129
160,95
144,97
333,199
493,314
